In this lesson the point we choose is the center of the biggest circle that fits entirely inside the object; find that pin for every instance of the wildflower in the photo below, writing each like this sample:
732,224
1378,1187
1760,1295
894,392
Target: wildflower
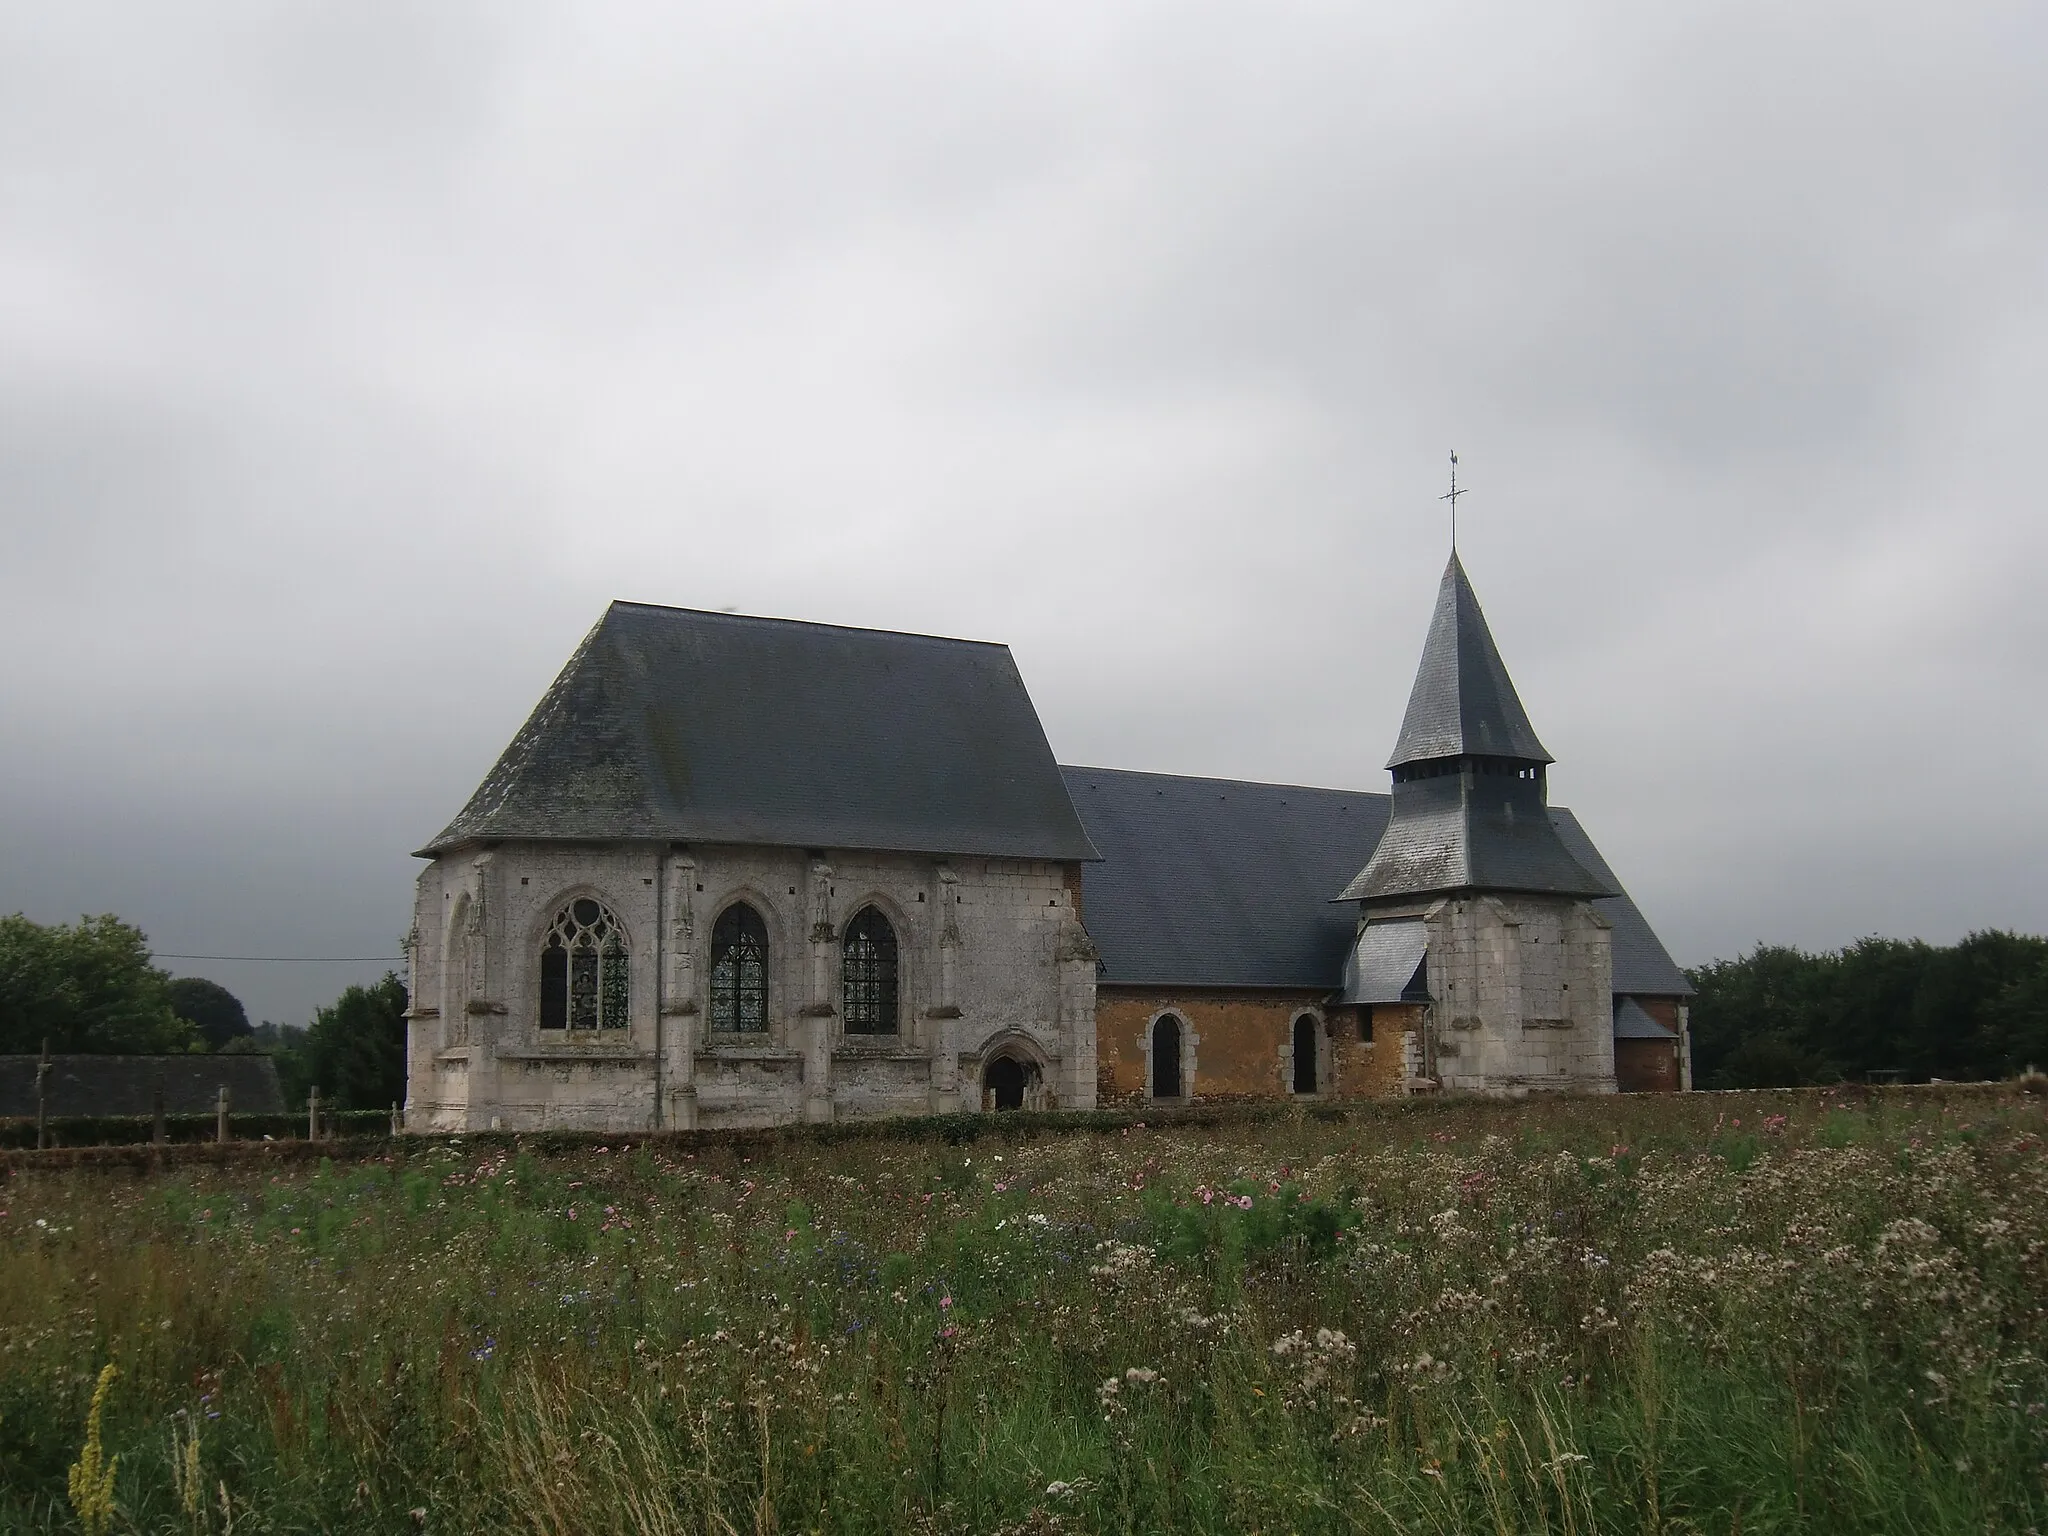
92,1475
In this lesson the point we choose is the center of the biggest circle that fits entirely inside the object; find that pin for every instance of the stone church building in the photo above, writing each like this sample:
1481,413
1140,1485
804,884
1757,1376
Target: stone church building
741,871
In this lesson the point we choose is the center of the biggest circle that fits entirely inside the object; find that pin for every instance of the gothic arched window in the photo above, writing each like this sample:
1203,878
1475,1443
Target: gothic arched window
583,973
867,974
739,970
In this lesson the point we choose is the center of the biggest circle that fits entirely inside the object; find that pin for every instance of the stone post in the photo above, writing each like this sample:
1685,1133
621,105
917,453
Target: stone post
156,1110
220,1115
313,1113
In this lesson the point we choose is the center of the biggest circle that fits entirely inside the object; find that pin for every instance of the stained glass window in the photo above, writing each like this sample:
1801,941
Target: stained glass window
868,975
739,970
585,981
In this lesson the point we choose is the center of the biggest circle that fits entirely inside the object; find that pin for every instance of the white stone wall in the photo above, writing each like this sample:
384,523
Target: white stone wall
1523,989
991,959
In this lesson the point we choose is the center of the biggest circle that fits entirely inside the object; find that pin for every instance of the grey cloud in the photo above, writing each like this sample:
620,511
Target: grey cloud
352,357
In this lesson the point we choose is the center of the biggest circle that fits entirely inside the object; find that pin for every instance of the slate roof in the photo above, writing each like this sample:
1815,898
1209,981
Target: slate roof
1631,1022
673,724
1224,883
1218,882
1387,963
1463,701
125,1085
1641,962
1463,831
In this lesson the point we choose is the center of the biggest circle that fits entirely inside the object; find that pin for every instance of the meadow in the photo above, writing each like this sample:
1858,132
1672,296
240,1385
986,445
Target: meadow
1727,1313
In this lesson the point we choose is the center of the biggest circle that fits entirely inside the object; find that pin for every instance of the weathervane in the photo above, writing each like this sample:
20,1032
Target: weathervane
1452,497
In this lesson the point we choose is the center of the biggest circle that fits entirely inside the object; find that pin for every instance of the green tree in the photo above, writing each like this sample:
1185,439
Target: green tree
355,1049
1778,1017
210,1008
84,987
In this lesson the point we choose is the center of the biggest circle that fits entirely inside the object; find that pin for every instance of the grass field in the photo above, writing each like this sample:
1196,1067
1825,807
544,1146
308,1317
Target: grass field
1723,1313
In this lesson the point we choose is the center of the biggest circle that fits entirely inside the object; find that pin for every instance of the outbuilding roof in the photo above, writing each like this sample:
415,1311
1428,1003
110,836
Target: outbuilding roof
675,724
1463,702
126,1085
1226,883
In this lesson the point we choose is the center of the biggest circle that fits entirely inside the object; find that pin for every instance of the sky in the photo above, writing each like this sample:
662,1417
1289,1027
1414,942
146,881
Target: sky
353,356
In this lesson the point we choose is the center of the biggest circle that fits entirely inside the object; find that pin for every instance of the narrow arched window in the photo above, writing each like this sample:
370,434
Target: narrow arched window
584,977
1305,1054
739,970
867,975
1166,1057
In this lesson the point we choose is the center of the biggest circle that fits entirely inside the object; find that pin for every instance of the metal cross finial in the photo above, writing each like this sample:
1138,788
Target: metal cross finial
1452,497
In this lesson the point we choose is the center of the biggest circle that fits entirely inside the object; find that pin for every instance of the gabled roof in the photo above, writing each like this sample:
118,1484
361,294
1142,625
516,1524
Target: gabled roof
126,1085
1218,882
1471,831
1642,964
674,724
1224,883
1463,702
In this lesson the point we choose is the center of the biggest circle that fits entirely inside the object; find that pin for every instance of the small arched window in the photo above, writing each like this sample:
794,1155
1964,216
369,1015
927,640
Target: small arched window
584,979
739,970
1305,1054
867,975
1166,1057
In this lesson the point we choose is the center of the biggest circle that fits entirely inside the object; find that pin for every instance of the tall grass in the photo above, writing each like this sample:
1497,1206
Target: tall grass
1715,1314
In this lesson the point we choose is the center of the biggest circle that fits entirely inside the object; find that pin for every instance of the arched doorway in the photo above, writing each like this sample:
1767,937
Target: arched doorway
1003,1081
1166,1057
1304,1054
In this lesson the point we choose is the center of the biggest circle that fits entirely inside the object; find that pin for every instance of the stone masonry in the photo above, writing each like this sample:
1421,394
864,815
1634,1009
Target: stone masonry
1523,995
992,962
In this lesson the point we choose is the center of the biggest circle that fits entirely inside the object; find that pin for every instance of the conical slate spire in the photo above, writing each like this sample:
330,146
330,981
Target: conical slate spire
1471,806
1463,703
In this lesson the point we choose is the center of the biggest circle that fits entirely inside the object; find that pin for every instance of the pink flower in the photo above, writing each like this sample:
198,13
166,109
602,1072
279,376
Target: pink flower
945,1303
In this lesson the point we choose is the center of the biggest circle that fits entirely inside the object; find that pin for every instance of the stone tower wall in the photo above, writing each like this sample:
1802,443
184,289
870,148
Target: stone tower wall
1523,995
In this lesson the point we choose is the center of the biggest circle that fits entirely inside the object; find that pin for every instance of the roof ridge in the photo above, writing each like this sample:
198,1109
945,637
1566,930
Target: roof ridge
721,615
1204,778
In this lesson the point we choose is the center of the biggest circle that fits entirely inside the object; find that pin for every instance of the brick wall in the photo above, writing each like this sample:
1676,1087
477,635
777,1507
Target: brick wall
1241,1044
1646,1066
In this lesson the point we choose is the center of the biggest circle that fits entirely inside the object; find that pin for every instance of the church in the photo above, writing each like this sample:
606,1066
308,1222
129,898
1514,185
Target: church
739,871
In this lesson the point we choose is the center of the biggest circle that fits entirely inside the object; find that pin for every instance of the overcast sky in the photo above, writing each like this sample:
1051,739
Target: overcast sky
353,356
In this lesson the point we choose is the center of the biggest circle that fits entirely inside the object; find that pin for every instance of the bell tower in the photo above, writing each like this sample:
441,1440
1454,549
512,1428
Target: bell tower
1518,964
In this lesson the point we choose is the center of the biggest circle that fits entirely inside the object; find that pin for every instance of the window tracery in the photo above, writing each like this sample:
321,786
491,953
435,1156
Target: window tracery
868,975
585,979
739,971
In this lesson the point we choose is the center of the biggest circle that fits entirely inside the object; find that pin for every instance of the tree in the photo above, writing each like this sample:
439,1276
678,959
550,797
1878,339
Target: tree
1778,1016
84,987
210,1008
355,1049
